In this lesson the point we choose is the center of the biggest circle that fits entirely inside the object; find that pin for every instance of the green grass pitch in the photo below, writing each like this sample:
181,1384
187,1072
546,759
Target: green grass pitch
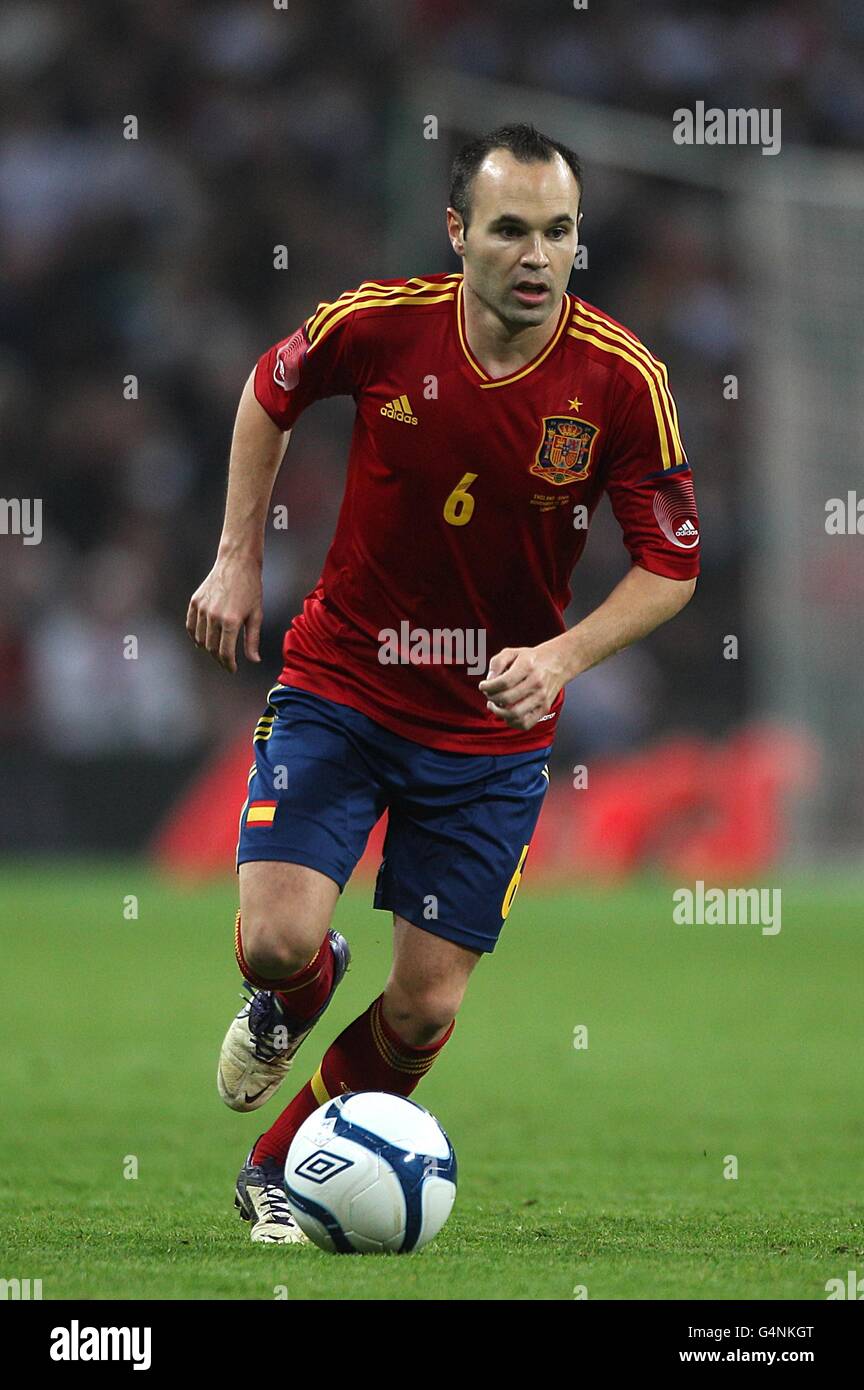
600,1167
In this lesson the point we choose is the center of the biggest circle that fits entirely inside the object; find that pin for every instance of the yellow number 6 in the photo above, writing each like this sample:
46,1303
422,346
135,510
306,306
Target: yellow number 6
513,884
459,507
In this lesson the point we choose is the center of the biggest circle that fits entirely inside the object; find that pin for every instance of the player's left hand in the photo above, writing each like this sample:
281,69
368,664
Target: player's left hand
522,685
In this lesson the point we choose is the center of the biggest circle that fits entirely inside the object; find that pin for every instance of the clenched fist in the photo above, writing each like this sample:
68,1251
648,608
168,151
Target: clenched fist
522,684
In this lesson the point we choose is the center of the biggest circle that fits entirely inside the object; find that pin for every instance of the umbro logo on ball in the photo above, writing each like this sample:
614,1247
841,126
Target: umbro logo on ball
320,1166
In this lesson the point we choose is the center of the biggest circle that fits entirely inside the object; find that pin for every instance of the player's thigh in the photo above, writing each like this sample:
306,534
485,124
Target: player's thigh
456,848
313,798
285,908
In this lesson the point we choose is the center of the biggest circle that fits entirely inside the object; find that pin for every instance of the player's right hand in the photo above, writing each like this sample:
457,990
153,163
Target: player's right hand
231,597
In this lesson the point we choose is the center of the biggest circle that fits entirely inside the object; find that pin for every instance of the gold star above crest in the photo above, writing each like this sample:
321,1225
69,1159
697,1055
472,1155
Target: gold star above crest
575,404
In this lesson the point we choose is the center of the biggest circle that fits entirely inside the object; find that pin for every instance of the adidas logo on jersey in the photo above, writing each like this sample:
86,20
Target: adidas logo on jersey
400,409
686,529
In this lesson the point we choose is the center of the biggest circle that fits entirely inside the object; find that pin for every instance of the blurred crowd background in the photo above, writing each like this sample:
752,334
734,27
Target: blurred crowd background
153,257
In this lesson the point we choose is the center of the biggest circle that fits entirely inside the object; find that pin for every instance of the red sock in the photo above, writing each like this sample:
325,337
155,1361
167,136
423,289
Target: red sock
367,1056
301,994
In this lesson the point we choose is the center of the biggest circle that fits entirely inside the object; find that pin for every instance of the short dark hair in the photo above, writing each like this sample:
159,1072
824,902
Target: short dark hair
525,144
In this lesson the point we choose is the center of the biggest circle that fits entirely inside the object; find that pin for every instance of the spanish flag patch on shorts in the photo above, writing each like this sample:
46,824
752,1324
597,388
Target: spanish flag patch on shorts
261,812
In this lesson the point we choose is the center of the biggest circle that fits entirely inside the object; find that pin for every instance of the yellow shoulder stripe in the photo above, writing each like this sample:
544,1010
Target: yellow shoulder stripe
652,386
342,313
583,314
370,292
623,345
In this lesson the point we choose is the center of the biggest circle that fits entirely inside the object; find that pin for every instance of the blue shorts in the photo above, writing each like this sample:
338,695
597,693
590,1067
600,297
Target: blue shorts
459,824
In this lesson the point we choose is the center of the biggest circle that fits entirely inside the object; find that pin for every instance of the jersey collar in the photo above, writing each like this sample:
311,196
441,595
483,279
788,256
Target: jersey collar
484,380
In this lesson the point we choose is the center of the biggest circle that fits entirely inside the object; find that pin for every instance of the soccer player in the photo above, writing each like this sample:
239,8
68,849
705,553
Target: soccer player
426,671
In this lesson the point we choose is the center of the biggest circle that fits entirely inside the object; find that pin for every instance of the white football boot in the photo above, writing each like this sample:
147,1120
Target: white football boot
260,1198
259,1048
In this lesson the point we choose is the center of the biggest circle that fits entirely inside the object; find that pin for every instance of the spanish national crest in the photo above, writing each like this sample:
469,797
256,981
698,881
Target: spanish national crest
564,455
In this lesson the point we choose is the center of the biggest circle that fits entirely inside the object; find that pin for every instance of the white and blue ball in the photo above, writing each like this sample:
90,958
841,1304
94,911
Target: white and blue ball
370,1172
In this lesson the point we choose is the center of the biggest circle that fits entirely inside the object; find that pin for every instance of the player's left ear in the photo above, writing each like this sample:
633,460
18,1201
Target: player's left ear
456,231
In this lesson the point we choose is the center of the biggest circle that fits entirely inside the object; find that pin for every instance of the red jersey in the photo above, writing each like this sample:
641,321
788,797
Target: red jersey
467,499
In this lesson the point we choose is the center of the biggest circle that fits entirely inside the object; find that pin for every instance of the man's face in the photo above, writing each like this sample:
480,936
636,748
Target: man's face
522,236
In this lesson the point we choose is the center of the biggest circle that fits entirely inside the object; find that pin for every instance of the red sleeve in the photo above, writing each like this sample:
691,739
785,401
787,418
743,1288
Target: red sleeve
650,485
316,361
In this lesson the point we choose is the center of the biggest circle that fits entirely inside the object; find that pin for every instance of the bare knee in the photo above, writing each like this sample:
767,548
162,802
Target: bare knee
427,983
273,947
285,911
420,1016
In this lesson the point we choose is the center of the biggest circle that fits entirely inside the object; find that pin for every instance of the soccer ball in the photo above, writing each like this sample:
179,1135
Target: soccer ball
370,1172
